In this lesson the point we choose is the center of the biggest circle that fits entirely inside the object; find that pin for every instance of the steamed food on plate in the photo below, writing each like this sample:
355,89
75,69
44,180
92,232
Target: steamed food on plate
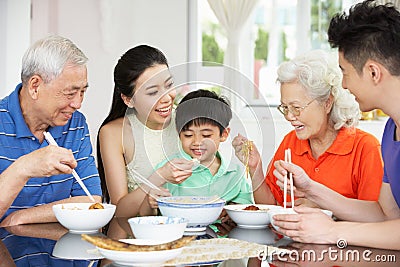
138,252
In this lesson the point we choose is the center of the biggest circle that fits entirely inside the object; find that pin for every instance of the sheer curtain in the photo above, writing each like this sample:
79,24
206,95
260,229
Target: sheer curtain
233,16
396,3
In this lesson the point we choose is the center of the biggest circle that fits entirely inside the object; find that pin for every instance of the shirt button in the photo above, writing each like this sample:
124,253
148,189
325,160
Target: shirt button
33,139
317,169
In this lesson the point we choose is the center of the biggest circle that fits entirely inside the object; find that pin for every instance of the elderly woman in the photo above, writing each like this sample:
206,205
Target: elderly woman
324,141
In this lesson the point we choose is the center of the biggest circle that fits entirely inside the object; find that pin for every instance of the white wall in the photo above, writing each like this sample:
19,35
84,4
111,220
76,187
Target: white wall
15,39
102,29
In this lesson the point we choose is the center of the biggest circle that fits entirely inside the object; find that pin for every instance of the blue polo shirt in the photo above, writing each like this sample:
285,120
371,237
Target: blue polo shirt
17,140
229,183
391,158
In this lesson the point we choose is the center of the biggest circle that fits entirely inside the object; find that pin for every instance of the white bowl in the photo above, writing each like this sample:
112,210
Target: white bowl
71,246
78,218
161,228
200,211
259,236
281,210
250,219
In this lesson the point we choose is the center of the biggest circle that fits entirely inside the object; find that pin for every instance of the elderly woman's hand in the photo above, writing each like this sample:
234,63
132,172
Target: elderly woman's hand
253,160
301,180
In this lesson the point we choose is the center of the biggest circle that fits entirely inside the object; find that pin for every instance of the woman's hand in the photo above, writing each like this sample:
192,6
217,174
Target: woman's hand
176,170
301,180
155,194
253,159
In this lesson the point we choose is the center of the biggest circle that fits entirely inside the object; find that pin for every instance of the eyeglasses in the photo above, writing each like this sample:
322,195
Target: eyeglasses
292,109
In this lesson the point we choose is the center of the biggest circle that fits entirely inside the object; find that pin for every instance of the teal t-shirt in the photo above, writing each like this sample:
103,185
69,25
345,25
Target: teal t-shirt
229,183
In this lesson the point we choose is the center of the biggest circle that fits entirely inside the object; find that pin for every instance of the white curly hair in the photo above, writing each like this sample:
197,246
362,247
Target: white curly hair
319,73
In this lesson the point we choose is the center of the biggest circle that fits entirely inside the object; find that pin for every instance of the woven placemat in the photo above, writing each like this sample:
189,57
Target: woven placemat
219,249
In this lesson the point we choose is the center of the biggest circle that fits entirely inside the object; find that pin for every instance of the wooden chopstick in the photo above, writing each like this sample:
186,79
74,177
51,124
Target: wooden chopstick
288,159
285,184
291,178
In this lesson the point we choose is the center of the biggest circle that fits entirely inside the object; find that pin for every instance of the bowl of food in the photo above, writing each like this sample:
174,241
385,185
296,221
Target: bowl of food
200,211
281,210
83,217
160,228
250,216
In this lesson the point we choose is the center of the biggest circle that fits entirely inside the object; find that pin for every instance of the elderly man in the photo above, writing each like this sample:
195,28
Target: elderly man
33,174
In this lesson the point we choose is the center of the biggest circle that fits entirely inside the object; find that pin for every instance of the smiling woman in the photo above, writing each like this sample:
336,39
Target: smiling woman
139,131
323,116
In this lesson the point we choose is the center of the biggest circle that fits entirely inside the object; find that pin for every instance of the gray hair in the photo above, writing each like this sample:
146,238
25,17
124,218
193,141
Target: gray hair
318,72
48,57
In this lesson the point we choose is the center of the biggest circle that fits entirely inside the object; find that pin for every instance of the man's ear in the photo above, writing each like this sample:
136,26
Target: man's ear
34,83
127,100
374,71
225,134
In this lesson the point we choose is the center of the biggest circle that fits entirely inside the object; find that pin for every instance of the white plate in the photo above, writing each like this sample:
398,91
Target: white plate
195,229
246,226
133,258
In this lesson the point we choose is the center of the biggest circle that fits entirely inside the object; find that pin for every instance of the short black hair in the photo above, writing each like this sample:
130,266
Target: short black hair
203,107
370,31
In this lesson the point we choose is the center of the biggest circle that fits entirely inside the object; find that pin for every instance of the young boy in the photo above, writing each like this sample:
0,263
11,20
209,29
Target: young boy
202,120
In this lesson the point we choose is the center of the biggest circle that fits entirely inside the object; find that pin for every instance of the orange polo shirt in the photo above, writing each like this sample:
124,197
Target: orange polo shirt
351,166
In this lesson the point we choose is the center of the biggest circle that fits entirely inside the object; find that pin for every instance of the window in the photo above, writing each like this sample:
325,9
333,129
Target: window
275,32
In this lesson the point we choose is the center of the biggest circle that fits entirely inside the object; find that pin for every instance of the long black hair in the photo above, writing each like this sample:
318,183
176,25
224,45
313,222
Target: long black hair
128,69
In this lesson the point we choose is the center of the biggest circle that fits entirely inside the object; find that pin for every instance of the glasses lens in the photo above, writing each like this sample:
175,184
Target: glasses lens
282,109
295,111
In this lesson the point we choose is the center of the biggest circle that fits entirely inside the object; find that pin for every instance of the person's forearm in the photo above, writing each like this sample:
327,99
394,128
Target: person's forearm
12,180
51,231
262,193
129,205
41,214
384,235
342,207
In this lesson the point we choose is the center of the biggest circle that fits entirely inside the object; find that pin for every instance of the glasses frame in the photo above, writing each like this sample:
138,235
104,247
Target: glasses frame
296,111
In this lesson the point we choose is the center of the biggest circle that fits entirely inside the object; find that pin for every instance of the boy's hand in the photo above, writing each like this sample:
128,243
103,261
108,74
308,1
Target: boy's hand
253,160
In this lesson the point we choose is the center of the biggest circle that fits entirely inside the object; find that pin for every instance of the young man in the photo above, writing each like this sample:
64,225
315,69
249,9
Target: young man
33,174
368,41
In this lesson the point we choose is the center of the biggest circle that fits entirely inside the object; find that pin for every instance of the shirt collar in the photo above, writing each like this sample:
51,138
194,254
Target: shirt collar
342,145
14,107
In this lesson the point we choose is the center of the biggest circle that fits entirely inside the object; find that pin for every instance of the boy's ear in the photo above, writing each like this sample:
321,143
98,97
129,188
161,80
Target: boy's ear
225,134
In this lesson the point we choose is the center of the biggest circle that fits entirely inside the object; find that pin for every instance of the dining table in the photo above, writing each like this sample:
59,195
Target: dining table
50,244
